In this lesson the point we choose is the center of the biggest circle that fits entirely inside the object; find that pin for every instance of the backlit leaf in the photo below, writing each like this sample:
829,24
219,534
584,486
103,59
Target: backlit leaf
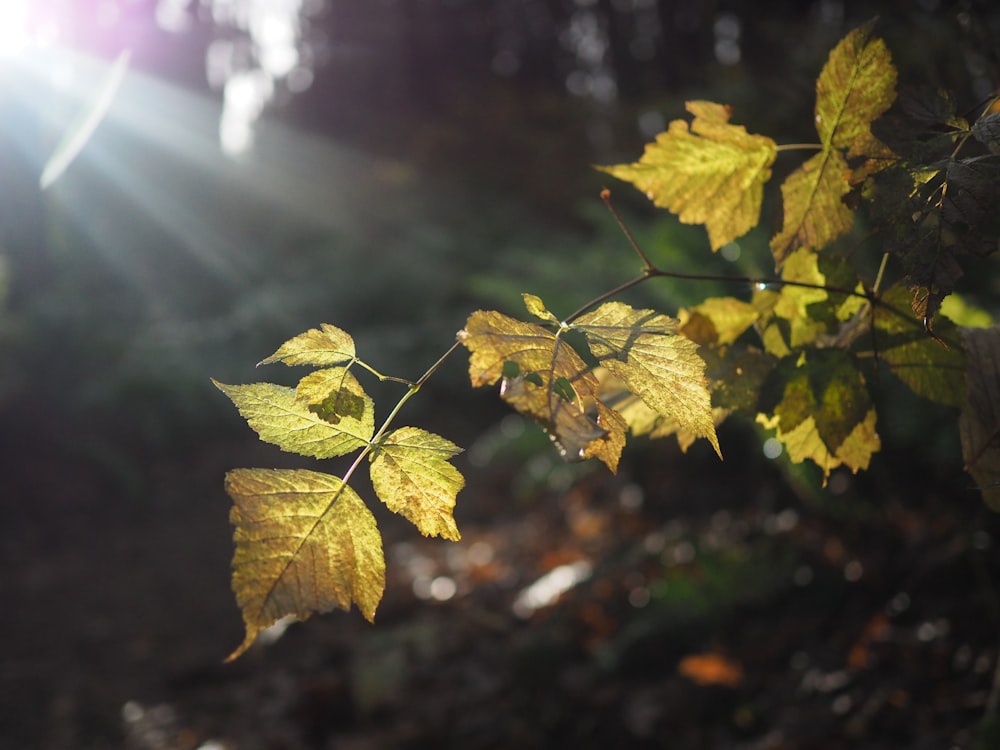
814,212
979,423
278,417
548,371
536,307
857,84
793,301
804,442
928,367
644,350
305,543
322,347
785,320
412,476
711,174
718,320
334,394
820,407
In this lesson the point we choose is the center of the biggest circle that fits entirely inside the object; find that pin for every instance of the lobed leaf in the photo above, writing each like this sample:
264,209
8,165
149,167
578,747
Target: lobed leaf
814,211
820,407
279,418
334,394
804,442
712,173
322,347
718,321
662,367
305,543
412,476
857,84
544,378
930,368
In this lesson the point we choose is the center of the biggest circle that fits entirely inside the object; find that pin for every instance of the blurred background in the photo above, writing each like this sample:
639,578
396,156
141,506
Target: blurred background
390,166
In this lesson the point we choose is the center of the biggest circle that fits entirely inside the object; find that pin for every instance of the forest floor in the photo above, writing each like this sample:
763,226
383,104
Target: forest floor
704,607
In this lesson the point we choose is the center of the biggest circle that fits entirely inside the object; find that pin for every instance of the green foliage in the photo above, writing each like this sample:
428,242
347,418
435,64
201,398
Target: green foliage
798,355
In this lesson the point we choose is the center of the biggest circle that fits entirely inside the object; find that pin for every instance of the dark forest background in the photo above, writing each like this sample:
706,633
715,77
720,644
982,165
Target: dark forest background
440,161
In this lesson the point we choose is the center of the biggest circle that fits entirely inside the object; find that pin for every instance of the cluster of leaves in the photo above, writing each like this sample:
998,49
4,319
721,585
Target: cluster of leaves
797,355
305,541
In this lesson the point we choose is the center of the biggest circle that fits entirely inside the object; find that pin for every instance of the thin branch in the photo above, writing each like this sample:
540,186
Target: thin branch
647,264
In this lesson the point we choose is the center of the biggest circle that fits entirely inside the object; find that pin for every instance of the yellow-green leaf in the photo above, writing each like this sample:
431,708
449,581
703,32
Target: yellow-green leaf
644,350
718,321
278,417
928,367
543,378
322,347
711,174
793,301
305,543
820,407
814,214
857,84
804,442
641,419
412,476
534,305
334,394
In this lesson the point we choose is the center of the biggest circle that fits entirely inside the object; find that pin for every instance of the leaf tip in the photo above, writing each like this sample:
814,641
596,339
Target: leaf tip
248,641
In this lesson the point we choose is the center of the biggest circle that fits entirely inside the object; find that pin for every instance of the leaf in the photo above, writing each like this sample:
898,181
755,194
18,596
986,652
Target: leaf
547,370
804,442
77,136
718,321
321,347
814,212
979,423
935,219
711,669
928,367
793,301
987,131
857,84
305,543
785,319
921,126
711,174
278,417
536,307
334,394
644,350
412,476
819,405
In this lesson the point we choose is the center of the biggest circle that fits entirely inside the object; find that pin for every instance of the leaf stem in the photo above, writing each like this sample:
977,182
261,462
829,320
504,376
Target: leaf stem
800,147
380,376
411,390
